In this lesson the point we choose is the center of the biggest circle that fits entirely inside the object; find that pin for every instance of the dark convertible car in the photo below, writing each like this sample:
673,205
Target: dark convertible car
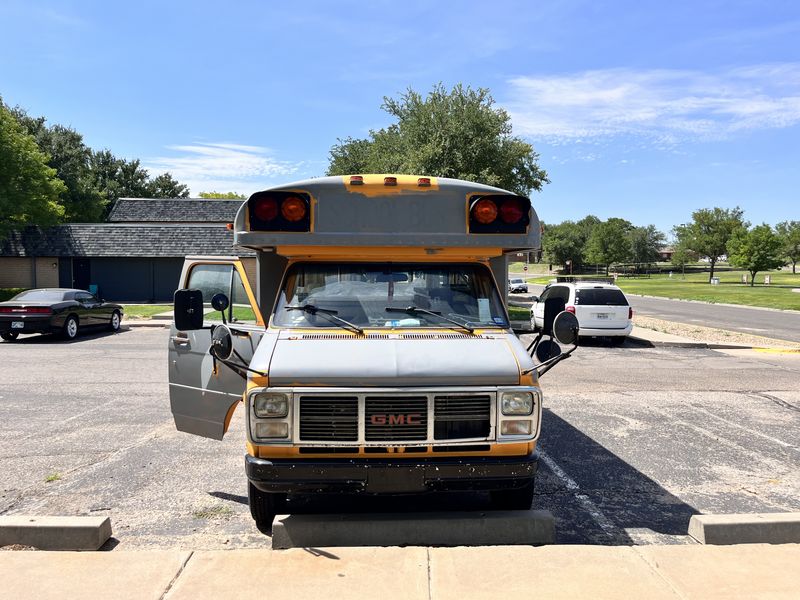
56,310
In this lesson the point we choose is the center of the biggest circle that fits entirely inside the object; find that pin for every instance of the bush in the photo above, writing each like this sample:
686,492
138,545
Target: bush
8,293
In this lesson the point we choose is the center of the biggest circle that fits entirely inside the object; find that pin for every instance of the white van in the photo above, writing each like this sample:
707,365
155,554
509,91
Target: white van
601,308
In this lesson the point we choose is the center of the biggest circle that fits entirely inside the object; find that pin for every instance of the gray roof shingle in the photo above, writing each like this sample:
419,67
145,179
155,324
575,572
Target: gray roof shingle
121,240
179,210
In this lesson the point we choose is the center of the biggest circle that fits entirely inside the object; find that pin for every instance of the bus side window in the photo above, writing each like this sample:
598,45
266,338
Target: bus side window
240,310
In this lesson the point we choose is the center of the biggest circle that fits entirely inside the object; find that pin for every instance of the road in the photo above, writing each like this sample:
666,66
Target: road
783,325
634,440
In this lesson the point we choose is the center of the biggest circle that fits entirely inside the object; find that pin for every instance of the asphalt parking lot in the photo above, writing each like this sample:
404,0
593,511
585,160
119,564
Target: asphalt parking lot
635,440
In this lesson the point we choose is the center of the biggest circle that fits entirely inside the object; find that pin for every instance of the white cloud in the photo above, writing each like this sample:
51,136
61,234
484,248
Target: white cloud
668,105
222,167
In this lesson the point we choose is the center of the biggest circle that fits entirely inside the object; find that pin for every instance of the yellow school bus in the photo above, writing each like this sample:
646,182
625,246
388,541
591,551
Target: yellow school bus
372,350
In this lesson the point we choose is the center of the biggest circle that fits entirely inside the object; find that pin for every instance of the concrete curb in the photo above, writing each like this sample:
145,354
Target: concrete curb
491,528
55,533
760,528
132,324
640,341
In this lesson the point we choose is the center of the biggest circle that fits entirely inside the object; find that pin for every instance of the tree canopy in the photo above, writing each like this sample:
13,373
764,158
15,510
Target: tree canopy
29,188
609,242
758,249
457,133
227,195
709,232
89,180
789,233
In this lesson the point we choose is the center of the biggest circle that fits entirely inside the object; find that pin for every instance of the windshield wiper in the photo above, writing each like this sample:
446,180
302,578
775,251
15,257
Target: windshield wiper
328,314
414,310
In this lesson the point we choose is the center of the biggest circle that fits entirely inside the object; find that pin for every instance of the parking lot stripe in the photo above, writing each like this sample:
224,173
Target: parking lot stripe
597,516
749,430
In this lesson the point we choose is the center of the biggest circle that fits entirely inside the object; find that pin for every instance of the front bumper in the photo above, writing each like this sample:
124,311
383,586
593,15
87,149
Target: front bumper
391,476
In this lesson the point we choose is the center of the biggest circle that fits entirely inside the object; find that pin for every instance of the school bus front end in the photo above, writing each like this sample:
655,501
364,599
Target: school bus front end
386,363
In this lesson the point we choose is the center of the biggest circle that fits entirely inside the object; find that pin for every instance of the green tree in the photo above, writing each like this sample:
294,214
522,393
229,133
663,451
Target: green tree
682,256
165,186
789,232
457,133
69,156
758,249
709,232
29,188
609,242
563,242
646,244
227,195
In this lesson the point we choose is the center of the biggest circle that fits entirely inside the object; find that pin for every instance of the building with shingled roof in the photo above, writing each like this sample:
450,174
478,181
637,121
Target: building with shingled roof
135,256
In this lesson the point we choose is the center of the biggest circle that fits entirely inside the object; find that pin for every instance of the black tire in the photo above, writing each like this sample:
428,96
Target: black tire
9,336
70,329
264,507
115,322
515,499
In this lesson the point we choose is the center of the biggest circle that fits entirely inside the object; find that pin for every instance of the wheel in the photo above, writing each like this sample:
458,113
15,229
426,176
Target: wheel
116,319
263,507
70,330
9,336
514,499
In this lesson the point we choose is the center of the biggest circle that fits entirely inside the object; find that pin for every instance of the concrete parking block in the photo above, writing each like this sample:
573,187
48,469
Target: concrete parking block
597,572
726,572
339,573
530,527
88,575
761,528
55,533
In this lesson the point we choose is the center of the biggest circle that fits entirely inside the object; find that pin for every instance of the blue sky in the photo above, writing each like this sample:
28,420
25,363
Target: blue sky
642,109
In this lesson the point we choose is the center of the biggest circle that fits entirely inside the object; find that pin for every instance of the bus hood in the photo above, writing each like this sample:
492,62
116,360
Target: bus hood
394,361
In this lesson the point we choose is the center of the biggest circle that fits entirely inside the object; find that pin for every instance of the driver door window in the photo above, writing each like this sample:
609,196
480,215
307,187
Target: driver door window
214,279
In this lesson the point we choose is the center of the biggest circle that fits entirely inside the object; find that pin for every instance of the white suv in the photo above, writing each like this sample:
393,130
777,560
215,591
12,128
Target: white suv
601,308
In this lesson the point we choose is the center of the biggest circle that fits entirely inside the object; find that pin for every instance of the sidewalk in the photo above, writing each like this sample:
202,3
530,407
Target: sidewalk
597,572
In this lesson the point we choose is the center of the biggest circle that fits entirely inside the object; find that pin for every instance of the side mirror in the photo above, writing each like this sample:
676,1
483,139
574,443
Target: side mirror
534,298
552,307
565,328
188,310
547,349
220,302
221,342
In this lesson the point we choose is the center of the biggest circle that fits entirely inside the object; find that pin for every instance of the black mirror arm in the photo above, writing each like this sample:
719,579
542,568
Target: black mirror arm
236,367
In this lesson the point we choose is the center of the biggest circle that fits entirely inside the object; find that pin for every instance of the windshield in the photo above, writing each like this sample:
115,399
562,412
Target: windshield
361,293
40,296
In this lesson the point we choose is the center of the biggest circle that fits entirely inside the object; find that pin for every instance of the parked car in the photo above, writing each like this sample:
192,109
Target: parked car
517,286
56,310
601,308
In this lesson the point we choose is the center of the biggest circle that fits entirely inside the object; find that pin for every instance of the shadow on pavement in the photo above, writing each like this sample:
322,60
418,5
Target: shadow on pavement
84,335
625,498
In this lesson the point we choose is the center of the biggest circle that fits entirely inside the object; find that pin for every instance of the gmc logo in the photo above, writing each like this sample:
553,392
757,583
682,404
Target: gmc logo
412,419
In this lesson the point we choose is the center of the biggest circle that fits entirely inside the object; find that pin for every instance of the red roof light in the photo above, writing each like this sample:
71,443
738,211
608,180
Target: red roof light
511,210
266,209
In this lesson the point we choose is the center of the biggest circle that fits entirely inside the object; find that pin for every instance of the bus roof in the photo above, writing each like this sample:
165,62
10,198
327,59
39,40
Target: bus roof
410,211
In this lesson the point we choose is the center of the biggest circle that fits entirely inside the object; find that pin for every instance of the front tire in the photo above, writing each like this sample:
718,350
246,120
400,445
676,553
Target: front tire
514,499
116,320
263,507
9,336
70,331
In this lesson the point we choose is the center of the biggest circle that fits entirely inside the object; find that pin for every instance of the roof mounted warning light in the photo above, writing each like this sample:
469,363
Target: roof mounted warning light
279,211
499,213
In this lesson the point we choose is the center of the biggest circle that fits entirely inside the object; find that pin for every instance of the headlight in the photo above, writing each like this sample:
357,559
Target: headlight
516,403
270,405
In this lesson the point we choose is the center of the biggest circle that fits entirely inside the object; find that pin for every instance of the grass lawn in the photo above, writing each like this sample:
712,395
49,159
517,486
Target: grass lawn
730,289
695,286
144,311
517,313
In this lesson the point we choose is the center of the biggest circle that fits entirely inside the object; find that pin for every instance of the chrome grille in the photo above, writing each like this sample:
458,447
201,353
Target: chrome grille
461,416
326,418
396,418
